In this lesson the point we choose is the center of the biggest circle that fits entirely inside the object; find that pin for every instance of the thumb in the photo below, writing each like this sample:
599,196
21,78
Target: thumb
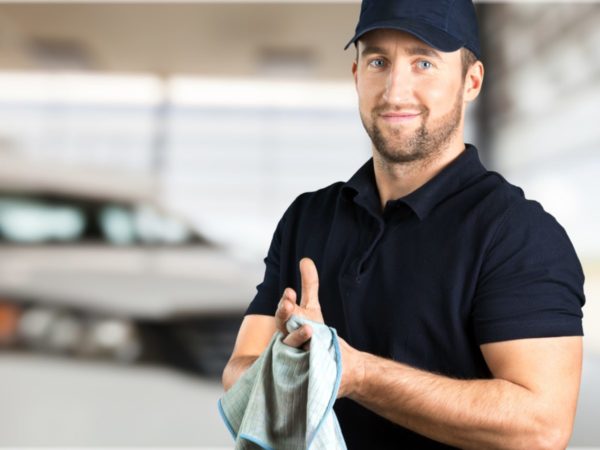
310,284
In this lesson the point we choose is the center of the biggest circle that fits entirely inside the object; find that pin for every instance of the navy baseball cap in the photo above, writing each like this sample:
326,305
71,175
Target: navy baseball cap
446,25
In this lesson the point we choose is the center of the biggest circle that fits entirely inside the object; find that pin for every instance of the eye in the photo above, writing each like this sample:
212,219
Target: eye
424,64
377,63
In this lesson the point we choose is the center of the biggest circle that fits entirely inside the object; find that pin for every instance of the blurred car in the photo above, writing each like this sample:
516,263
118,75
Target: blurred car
97,278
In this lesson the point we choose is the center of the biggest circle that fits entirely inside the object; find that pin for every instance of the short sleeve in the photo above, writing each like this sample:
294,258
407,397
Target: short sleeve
531,281
268,292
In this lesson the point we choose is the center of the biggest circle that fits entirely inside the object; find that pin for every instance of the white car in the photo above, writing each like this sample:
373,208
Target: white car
98,278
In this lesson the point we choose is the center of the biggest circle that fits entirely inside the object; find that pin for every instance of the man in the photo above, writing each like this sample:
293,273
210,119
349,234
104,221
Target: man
457,301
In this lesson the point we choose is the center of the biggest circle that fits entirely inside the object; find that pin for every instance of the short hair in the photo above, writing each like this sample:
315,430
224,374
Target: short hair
467,57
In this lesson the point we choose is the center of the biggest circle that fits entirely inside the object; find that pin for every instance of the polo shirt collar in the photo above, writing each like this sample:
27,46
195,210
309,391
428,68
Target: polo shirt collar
362,188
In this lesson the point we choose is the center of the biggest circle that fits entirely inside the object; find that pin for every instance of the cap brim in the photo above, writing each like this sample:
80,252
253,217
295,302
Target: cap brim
429,34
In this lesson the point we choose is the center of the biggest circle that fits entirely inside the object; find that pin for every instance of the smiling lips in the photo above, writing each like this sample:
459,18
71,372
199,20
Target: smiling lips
400,117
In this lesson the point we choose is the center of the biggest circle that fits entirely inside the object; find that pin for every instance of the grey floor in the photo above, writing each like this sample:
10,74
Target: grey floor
55,402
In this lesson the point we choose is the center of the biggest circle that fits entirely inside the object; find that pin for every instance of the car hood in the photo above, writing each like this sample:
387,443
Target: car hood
130,281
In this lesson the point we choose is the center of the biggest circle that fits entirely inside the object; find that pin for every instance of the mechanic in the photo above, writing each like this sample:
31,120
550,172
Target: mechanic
458,301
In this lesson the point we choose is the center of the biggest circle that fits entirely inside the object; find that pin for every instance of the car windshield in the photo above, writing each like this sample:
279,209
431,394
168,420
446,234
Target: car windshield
30,220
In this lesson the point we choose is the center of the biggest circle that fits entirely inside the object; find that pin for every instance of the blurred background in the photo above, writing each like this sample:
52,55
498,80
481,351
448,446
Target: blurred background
147,152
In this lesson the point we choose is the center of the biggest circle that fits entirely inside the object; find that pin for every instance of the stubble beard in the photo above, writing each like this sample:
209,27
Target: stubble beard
424,143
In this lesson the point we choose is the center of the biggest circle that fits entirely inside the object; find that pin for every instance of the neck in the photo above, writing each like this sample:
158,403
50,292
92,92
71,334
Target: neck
396,180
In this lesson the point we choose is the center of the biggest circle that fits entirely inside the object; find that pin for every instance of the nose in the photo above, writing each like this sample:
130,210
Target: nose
399,85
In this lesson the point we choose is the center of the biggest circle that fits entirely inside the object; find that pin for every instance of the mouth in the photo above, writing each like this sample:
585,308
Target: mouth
403,117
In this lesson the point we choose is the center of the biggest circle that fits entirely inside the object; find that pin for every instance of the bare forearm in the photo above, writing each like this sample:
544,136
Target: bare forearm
491,414
235,368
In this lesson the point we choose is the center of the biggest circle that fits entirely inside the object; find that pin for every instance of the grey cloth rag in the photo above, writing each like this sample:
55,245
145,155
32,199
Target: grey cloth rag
284,401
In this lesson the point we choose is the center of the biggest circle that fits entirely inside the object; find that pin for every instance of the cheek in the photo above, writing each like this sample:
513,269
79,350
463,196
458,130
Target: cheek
365,95
369,91
439,93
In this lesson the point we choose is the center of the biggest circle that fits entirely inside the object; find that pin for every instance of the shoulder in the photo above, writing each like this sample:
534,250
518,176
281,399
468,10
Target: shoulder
323,199
500,194
514,211
526,236
530,282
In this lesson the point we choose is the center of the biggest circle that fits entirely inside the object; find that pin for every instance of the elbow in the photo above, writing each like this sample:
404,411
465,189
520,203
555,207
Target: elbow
235,369
555,436
555,440
226,377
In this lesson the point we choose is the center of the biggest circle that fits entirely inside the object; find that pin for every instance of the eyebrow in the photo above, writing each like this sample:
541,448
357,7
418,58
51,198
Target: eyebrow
411,51
424,51
371,50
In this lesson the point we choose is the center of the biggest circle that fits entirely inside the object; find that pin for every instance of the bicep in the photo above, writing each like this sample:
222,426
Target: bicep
254,335
549,367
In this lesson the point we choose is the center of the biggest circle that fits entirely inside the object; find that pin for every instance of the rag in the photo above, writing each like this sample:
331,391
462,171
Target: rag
284,400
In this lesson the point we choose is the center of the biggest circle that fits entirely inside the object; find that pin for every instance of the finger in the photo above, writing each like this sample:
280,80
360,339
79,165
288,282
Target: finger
290,294
285,309
310,284
299,337
287,298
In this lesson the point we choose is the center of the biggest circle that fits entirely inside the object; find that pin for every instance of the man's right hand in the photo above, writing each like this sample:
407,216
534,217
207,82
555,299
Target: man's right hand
309,306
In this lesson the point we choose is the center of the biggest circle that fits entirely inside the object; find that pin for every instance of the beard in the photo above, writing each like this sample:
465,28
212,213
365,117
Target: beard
423,144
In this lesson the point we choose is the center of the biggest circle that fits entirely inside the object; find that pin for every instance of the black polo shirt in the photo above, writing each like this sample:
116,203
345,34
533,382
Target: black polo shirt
462,261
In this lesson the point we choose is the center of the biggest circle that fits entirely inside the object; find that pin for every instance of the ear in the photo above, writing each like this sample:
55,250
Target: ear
355,73
474,81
